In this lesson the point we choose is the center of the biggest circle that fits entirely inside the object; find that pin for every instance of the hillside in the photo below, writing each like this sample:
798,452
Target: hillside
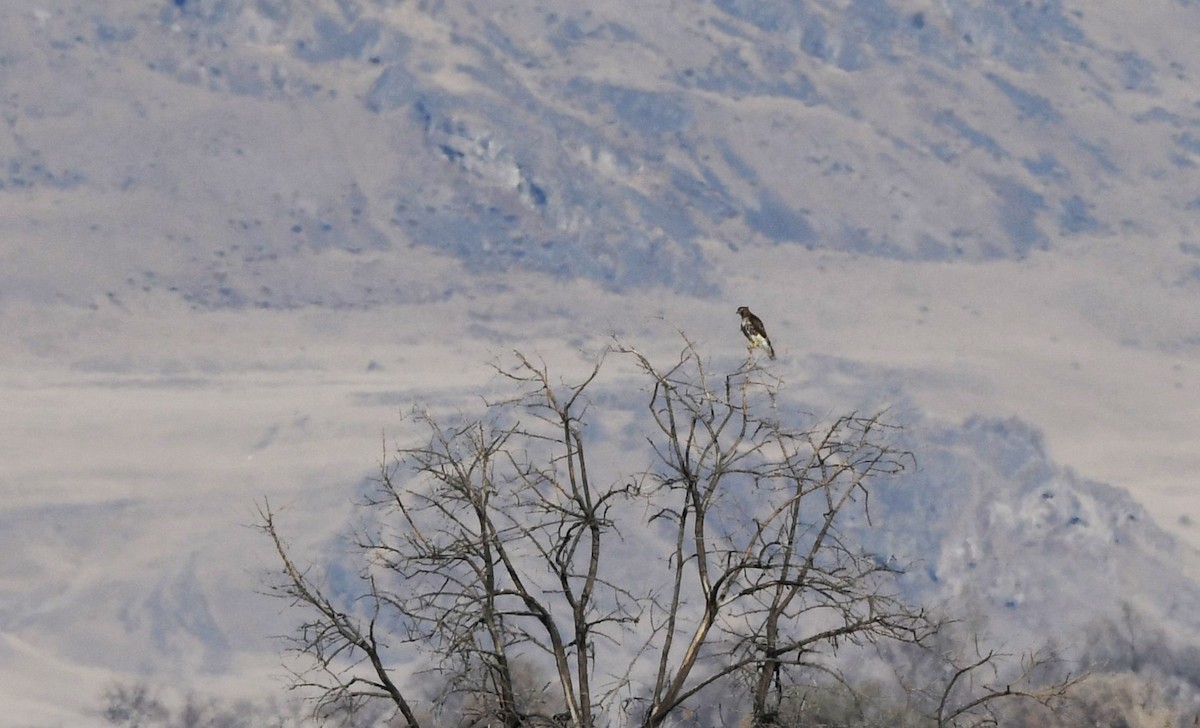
240,237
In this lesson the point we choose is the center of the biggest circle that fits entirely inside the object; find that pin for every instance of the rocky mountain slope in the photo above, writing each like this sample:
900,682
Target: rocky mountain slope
240,235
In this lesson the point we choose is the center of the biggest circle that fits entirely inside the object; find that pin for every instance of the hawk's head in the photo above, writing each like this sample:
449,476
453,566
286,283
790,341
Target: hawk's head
743,311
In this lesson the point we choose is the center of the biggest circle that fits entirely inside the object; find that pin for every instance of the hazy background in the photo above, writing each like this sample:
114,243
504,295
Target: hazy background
238,238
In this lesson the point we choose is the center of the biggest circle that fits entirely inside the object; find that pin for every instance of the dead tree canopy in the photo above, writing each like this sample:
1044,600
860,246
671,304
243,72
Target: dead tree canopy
515,569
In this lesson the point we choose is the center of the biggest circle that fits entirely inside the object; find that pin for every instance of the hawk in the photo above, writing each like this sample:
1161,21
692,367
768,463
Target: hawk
756,333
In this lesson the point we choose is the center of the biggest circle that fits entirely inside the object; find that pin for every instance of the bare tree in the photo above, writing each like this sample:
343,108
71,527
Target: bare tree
977,687
720,556
137,705
757,510
133,706
954,680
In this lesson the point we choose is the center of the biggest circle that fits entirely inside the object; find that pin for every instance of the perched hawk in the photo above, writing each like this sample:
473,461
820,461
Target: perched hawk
756,333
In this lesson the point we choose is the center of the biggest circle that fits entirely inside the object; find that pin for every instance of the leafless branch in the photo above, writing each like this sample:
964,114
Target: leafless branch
489,549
